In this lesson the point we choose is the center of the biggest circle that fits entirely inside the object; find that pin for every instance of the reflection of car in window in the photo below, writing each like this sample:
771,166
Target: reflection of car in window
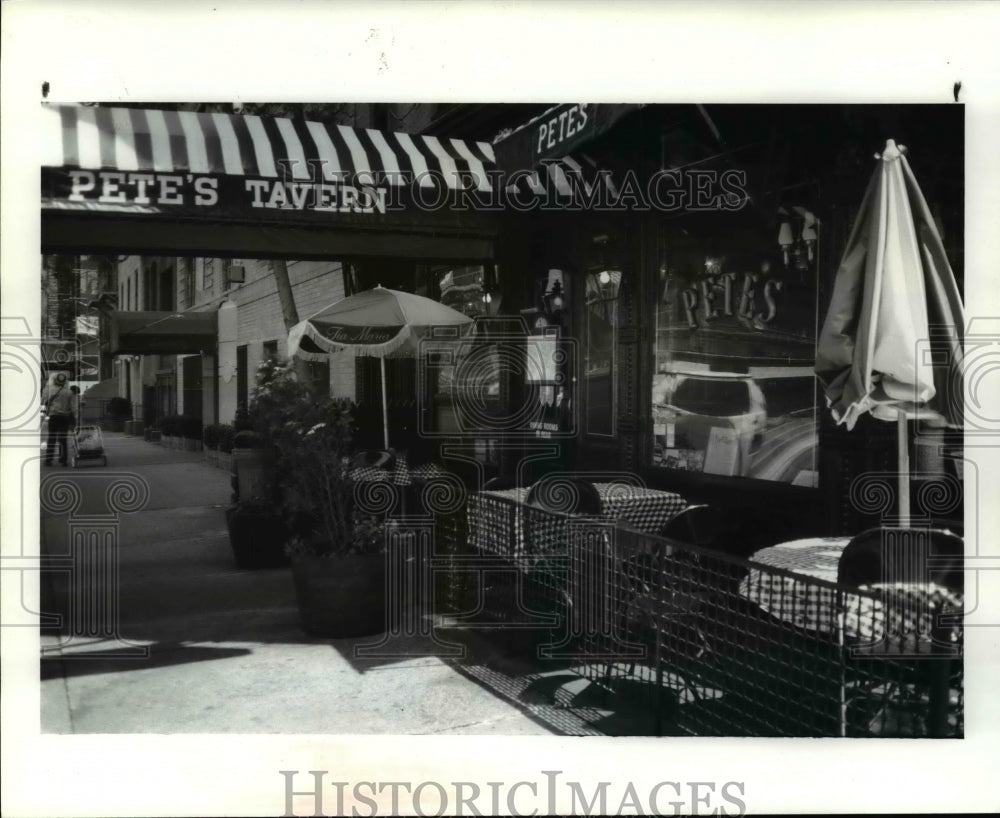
694,402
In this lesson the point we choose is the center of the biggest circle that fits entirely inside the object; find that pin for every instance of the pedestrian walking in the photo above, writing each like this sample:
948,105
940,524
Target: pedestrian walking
58,402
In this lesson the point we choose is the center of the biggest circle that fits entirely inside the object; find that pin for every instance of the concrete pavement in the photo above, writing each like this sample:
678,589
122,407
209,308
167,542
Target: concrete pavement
225,651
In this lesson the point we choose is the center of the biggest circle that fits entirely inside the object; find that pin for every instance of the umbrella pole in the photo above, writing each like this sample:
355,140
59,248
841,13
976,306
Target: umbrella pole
904,468
385,408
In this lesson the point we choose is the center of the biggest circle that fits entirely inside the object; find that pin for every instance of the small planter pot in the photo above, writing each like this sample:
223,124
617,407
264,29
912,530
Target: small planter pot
341,596
224,460
211,456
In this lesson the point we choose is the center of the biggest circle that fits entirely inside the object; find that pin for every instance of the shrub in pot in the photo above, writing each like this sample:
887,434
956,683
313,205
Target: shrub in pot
257,535
191,427
337,552
211,436
170,427
226,437
243,422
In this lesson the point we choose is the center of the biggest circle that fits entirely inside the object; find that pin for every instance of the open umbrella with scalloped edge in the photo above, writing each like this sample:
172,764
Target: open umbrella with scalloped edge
377,323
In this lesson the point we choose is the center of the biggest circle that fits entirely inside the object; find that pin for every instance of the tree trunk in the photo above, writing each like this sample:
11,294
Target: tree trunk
279,269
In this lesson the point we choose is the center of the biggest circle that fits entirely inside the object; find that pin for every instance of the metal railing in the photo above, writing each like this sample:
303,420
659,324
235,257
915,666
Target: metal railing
705,643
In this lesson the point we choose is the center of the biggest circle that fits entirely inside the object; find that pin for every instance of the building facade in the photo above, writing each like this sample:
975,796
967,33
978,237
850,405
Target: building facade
659,272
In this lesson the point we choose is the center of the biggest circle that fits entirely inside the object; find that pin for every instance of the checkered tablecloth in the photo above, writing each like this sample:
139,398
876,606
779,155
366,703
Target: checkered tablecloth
899,611
497,527
400,475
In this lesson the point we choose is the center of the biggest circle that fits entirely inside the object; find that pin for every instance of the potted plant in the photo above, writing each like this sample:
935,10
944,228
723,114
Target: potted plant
257,533
191,430
337,552
224,455
210,443
170,427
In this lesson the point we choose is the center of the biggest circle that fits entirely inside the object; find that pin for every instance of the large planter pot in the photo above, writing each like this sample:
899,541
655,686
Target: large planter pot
192,444
341,596
224,460
115,423
257,537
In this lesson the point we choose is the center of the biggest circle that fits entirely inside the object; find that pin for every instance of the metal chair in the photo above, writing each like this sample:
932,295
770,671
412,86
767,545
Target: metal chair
566,495
698,525
500,483
373,459
903,555
667,588
920,691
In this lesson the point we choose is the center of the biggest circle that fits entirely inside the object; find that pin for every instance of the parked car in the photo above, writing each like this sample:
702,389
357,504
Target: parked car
695,402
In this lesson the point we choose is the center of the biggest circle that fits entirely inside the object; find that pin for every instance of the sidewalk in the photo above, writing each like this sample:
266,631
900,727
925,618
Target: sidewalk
225,652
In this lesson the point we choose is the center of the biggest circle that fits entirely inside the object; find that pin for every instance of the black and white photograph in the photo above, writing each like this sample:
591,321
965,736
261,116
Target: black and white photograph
459,448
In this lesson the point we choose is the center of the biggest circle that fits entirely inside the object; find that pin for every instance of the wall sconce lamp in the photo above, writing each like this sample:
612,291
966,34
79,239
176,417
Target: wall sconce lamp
798,241
492,302
555,302
809,235
785,240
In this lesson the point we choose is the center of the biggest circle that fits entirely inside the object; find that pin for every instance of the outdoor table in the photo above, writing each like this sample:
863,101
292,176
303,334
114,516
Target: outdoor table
401,474
814,606
878,630
495,526
401,477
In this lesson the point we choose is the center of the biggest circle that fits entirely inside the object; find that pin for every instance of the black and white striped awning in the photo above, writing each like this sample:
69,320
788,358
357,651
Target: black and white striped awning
562,182
214,183
165,141
255,185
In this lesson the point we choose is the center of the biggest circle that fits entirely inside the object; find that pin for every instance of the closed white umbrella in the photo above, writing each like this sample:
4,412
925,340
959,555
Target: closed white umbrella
378,323
891,342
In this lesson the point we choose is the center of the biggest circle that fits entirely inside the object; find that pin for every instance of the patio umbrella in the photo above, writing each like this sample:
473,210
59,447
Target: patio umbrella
378,323
891,343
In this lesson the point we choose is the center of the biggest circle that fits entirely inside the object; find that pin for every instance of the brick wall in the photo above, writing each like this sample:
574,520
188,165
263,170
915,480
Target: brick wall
315,284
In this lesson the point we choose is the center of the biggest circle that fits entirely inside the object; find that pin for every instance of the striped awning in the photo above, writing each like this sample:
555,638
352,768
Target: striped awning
162,141
163,167
566,180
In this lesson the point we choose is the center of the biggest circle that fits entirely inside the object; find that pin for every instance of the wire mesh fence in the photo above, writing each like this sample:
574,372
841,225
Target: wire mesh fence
704,643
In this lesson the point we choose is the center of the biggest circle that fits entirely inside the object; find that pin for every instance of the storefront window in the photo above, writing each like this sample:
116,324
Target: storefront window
600,345
733,388
463,378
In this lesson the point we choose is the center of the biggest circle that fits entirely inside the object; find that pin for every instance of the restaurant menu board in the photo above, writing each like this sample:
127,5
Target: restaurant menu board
733,390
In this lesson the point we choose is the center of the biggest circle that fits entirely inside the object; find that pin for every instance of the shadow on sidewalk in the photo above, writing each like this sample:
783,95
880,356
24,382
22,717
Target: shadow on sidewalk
163,654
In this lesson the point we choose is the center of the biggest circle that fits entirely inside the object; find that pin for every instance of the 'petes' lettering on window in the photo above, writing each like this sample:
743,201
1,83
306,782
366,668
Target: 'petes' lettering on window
561,127
733,295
